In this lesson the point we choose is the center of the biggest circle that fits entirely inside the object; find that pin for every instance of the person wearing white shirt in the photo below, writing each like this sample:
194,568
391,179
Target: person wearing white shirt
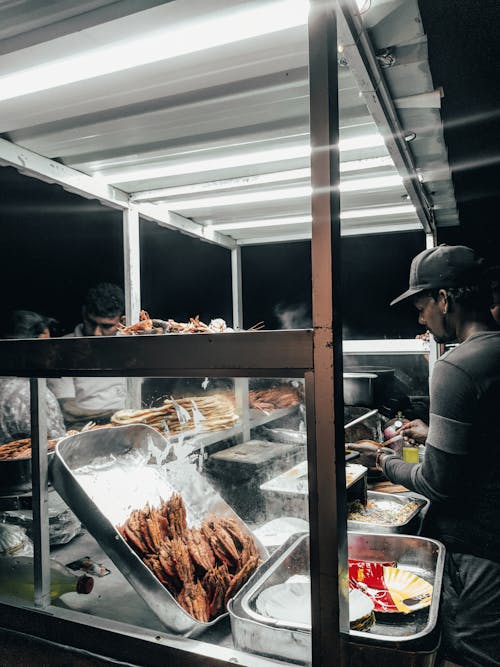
84,399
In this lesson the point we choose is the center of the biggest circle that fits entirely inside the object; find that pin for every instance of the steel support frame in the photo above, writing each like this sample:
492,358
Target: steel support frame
324,400
41,561
240,384
132,283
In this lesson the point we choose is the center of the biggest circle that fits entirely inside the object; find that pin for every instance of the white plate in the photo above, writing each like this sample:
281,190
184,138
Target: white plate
274,533
291,602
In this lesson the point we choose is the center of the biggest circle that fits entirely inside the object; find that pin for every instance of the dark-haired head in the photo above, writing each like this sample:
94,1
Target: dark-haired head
102,311
28,324
105,300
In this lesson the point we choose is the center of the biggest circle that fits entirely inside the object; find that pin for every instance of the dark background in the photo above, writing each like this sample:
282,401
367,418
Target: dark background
55,245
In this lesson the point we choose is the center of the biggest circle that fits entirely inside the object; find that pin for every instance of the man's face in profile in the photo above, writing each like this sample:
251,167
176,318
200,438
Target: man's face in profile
93,325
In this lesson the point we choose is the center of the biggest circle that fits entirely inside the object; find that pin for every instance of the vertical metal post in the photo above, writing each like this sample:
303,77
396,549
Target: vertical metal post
41,562
434,350
240,384
327,499
132,283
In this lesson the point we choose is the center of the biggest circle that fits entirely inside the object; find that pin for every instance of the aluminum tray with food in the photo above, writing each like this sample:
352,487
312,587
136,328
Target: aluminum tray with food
15,465
159,522
387,513
287,494
256,631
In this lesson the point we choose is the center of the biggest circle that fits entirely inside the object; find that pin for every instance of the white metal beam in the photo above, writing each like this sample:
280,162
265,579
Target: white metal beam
171,220
30,163
131,264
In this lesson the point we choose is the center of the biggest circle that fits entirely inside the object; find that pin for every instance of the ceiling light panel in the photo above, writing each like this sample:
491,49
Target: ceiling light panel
244,21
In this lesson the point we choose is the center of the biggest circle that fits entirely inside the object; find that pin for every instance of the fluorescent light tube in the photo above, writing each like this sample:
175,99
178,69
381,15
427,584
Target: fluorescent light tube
258,224
233,199
241,198
376,212
167,169
181,38
209,164
353,214
256,179
375,183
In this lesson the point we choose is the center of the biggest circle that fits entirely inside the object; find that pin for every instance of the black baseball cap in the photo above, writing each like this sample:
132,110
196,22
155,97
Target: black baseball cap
441,267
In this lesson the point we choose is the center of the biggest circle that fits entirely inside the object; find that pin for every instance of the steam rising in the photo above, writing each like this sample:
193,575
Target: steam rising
293,317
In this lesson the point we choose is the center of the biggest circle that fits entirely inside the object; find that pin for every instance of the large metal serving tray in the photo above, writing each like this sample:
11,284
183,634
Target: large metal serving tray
409,527
400,633
106,473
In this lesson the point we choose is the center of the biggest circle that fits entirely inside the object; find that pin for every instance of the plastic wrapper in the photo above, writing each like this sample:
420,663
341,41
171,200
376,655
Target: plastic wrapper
63,524
14,541
15,410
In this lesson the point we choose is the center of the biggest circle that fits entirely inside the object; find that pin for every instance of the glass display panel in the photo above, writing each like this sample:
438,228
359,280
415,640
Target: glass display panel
160,516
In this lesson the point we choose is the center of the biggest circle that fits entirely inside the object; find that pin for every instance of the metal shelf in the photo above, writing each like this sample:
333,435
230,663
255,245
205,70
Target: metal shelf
242,354
386,346
257,418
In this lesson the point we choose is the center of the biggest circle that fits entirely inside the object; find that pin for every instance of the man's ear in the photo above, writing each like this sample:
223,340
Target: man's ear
443,300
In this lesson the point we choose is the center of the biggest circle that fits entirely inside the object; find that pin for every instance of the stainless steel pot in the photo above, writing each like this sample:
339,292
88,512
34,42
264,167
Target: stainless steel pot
381,387
359,389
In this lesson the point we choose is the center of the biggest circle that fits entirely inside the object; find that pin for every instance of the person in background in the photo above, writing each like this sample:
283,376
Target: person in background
28,324
15,417
94,398
460,473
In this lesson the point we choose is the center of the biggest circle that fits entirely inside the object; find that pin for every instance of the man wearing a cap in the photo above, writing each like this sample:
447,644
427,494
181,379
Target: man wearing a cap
460,473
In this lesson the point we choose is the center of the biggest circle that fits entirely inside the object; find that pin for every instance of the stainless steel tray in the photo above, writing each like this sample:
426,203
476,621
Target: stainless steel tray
408,527
259,634
287,494
104,474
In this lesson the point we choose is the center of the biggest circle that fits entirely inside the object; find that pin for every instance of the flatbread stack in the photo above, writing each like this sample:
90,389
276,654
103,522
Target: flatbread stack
213,412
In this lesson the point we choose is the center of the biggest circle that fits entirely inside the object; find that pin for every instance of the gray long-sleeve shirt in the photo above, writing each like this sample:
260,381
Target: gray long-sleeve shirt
461,470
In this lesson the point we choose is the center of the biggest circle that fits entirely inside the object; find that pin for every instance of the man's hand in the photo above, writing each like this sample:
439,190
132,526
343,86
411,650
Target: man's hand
368,452
414,432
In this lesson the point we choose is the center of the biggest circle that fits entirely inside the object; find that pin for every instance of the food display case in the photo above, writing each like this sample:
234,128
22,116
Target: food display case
315,64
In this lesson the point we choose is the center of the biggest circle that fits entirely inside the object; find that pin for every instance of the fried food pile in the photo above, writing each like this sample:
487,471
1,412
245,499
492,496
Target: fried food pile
213,412
275,398
147,325
201,567
21,449
388,514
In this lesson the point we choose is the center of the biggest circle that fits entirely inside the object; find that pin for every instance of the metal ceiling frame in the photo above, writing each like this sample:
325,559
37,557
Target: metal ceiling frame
360,55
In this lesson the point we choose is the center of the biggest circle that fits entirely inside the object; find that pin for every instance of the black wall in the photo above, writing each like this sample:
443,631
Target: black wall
55,245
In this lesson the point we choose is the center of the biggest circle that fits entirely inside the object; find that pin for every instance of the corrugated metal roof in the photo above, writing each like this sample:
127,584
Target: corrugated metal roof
220,134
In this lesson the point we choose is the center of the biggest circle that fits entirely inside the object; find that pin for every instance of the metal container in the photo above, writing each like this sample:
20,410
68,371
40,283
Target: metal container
287,494
104,474
359,389
409,527
15,475
239,471
406,640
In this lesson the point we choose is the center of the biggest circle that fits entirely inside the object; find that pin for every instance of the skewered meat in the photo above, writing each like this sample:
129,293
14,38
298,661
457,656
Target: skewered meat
147,325
274,398
201,567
